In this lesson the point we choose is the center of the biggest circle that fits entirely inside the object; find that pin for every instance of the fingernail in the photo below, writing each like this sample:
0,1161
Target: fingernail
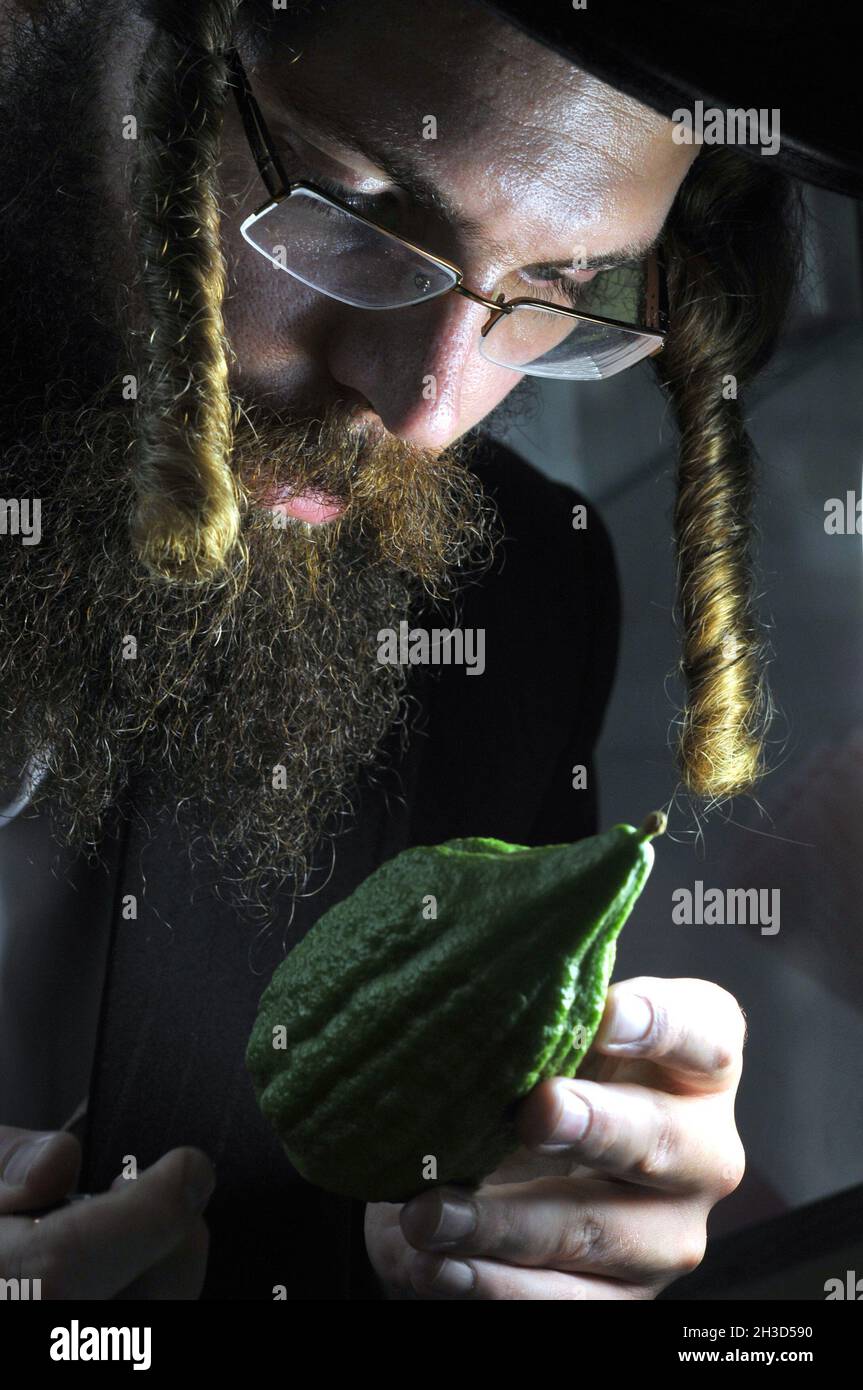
457,1221
435,1222
199,1190
572,1124
452,1278
631,1021
18,1164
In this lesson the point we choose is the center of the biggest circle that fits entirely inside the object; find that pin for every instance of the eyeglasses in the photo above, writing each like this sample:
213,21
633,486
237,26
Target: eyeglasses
622,314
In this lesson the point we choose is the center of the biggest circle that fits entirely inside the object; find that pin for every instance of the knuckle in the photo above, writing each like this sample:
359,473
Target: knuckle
503,1227
731,1032
657,1160
724,1058
705,1010
732,1170
692,1251
582,1241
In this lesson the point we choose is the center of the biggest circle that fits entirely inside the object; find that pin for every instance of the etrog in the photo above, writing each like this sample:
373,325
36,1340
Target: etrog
392,1042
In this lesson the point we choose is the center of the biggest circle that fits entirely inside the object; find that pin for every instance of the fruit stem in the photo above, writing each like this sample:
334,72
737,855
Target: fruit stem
654,825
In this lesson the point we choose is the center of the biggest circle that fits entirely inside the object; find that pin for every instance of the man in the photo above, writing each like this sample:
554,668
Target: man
189,664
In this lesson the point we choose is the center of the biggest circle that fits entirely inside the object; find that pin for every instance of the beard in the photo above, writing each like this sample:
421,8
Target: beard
246,708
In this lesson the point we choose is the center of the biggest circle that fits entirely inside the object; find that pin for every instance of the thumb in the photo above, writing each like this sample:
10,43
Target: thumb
37,1167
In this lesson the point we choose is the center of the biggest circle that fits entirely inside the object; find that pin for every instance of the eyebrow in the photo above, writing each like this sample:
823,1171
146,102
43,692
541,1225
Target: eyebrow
406,174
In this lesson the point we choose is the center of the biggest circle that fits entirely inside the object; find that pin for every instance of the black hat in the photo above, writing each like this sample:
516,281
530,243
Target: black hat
787,56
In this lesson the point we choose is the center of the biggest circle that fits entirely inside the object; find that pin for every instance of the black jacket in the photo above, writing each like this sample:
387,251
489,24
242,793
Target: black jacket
493,755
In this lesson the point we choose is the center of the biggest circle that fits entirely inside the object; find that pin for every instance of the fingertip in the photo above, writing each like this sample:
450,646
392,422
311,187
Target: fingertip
537,1114
197,1175
184,1162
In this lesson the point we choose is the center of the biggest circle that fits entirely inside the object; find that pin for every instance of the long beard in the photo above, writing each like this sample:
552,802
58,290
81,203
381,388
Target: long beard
245,709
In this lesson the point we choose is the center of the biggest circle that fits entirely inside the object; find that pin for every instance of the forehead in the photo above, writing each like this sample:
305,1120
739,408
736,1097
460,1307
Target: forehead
522,138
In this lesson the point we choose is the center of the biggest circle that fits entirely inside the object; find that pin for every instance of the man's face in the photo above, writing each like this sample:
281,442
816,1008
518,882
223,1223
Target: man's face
533,166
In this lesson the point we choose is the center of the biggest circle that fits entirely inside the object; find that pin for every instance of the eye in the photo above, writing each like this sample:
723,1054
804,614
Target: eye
556,286
380,207
306,162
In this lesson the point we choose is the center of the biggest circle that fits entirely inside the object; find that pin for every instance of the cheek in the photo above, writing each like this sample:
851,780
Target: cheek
264,308
490,386
293,344
276,325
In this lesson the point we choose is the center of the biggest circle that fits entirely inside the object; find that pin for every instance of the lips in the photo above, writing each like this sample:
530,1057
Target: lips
312,506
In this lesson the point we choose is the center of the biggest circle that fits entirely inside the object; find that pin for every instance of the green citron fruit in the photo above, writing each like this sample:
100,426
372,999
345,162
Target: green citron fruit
392,1042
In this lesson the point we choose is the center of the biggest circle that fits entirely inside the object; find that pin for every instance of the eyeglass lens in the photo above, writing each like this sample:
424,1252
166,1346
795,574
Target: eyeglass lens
539,343
340,255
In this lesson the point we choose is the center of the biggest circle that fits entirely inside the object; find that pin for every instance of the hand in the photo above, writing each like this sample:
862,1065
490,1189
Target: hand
617,1213
144,1239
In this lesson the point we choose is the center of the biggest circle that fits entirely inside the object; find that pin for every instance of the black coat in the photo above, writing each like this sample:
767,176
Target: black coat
493,756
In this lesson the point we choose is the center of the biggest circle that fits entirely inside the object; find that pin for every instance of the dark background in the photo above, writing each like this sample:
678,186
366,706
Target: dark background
800,1108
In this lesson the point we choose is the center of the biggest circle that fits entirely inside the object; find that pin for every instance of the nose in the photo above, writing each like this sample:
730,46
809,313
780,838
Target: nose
419,367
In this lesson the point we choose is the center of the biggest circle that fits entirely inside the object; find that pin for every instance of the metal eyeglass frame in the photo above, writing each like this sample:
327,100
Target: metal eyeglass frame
280,187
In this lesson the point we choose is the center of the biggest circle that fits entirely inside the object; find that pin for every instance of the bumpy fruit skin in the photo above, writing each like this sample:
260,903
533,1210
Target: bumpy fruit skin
407,1038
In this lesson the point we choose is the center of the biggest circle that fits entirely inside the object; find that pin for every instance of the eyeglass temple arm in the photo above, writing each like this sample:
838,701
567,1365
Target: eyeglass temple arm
656,294
269,165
